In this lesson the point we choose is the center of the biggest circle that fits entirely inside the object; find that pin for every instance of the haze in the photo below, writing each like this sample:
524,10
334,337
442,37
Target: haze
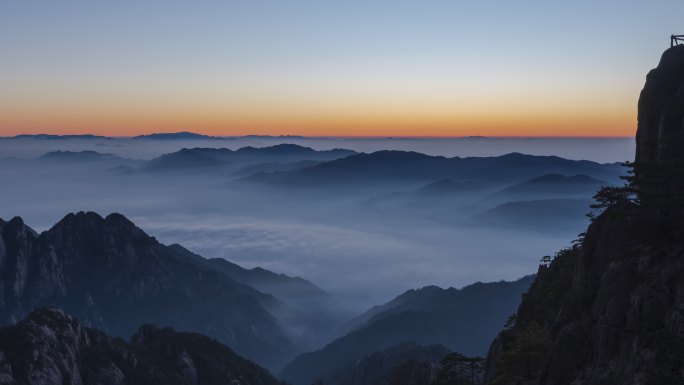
363,240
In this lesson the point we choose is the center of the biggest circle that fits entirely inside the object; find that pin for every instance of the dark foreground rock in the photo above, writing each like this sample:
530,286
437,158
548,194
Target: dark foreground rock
610,310
50,347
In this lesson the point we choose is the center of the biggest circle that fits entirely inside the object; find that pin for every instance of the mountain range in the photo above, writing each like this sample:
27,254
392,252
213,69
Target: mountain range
196,158
462,320
390,167
81,156
114,277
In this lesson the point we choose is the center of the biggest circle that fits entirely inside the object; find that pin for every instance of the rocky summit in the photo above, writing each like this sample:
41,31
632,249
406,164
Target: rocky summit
114,277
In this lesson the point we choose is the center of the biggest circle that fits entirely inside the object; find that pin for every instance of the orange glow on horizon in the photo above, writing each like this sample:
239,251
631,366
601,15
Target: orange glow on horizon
399,124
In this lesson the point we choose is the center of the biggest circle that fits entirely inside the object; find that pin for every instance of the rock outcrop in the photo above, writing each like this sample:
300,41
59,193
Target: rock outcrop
610,310
114,277
52,348
660,135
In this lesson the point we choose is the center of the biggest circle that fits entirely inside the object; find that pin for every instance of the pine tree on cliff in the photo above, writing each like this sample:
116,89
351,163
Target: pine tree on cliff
608,310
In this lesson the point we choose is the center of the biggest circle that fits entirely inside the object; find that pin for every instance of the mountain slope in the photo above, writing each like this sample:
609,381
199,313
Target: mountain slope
113,276
310,314
52,348
449,188
463,320
544,215
609,310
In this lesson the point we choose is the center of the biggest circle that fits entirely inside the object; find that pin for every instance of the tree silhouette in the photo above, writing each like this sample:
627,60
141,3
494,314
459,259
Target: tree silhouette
609,196
458,369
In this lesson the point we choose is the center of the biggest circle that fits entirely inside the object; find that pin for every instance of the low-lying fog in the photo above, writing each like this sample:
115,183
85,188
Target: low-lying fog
362,245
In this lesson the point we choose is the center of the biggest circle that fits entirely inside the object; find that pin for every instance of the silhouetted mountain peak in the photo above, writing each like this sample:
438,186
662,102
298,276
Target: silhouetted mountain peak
672,57
18,228
283,148
92,220
16,222
176,136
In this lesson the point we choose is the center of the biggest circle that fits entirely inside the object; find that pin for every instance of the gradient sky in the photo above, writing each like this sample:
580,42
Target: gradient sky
357,68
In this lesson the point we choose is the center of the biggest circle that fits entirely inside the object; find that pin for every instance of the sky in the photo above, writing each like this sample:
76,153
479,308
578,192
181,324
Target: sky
329,68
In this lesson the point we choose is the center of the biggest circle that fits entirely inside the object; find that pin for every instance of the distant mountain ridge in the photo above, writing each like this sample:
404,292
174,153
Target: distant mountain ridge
387,166
80,156
53,137
216,157
182,135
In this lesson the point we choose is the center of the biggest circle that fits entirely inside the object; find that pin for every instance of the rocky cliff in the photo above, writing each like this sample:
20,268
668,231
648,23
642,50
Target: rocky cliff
112,276
660,135
52,348
610,310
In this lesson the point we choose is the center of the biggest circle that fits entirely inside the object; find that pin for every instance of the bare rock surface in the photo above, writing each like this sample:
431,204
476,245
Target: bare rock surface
52,348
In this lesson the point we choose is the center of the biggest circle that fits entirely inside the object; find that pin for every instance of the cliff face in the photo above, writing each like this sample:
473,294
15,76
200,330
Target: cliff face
114,277
610,310
50,347
660,134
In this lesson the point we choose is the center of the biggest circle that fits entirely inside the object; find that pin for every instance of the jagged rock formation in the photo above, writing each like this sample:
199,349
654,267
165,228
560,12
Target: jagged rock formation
113,276
52,348
610,310
660,135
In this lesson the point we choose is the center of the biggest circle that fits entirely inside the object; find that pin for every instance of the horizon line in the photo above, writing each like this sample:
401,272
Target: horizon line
210,137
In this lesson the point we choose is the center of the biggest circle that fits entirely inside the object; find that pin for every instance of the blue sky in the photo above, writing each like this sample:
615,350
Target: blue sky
328,66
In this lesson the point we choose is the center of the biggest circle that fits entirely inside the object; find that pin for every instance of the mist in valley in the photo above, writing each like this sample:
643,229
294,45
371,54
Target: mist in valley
364,240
